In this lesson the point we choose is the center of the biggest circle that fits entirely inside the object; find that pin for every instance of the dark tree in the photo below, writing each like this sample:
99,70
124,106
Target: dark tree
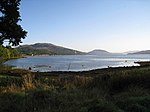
10,30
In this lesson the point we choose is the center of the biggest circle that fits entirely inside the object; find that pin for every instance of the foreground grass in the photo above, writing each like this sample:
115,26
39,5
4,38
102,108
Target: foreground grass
108,90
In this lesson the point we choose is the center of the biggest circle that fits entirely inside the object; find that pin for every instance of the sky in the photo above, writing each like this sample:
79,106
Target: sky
85,25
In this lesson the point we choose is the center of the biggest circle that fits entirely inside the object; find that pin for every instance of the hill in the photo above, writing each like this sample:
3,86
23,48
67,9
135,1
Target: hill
98,52
46,49
142,52
130,52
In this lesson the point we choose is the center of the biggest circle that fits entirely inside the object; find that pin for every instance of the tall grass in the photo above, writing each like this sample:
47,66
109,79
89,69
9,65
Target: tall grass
124,90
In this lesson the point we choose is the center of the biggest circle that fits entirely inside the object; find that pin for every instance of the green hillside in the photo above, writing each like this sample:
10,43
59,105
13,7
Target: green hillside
46,49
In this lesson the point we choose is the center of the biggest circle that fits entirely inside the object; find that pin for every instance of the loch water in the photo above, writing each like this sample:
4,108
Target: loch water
76,62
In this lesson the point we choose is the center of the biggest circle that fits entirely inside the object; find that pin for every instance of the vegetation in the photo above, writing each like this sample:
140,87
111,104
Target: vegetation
30,51
46,49
107,90
8,53
10,30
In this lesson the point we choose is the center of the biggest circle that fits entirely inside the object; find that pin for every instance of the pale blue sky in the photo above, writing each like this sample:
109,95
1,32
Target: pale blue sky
113,25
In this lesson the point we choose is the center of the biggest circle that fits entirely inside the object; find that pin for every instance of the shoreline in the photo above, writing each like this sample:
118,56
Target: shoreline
49,68
4,60
86,72
100,71
94,72
36,68
143,63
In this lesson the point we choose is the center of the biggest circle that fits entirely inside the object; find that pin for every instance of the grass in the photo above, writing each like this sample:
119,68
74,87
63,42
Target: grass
106,90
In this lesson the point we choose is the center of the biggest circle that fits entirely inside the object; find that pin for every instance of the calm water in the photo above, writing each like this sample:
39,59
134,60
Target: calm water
76,62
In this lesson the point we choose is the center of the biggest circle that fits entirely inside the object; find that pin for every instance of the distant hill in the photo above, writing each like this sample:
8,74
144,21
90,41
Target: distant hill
130,52
142,52
98,52
46,49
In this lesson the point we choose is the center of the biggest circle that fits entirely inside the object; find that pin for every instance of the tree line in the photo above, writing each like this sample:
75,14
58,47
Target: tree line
8,53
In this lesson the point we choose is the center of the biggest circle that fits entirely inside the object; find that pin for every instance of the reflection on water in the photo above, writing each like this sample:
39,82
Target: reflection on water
76,62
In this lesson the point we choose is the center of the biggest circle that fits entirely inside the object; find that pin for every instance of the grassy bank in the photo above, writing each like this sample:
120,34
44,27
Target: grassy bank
105,90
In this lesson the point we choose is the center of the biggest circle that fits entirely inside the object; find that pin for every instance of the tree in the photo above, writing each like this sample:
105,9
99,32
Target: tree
4,52
10,30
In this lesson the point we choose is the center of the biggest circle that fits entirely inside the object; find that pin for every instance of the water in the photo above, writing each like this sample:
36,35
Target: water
76,62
